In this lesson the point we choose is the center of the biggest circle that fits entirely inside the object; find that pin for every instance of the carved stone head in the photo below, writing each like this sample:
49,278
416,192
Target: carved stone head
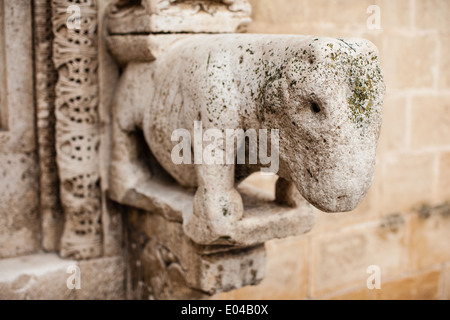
328,104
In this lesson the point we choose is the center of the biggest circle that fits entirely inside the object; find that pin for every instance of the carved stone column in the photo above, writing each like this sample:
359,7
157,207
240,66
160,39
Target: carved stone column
77,129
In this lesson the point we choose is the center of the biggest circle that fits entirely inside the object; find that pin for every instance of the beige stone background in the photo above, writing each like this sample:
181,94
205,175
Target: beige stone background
390,229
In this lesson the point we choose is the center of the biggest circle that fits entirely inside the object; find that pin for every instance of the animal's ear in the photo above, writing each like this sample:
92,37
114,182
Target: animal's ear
276,95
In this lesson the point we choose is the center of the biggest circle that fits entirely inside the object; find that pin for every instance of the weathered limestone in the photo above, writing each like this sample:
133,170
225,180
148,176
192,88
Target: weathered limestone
45,276
175,16
17,135
164,264
325,96
45,80
19,210
19,215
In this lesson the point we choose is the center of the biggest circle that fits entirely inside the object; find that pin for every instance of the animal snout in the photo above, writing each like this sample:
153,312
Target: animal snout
346,203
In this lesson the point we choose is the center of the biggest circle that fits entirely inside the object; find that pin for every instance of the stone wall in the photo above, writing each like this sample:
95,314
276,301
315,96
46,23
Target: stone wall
19,218
402,226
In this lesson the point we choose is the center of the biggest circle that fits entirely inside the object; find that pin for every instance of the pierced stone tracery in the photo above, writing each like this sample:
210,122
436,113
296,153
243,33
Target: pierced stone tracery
77,128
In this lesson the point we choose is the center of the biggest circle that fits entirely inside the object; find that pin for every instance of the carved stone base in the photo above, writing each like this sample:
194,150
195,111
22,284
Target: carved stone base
45,277
164,264
263,220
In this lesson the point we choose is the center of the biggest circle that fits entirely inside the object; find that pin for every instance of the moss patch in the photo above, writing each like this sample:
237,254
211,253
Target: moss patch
362,78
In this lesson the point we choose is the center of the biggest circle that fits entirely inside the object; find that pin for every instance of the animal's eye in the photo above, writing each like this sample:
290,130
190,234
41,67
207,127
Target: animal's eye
315,107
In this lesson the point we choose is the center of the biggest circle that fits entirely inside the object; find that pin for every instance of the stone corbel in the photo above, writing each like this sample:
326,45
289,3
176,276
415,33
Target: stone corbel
179,16
196,229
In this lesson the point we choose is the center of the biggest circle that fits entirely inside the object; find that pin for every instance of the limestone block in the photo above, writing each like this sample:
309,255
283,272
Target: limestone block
19,216
430,119
401,190
340,259
447,283
279,12
409,56
444,66
357,294
423,286
176,16
164,264
19,219
432,14
286,275
17,93
393,134
429,243
341,13
444,181
396,14
45,277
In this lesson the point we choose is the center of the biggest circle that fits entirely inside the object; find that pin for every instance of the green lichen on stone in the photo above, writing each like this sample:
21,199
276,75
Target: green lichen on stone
363,79
224,212
361,101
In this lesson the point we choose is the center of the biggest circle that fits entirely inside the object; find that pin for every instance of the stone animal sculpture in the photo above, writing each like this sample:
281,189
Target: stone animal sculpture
324,95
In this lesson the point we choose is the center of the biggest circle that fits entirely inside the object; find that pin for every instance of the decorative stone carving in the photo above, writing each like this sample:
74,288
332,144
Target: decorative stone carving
175,16
324,95
45,81
77,129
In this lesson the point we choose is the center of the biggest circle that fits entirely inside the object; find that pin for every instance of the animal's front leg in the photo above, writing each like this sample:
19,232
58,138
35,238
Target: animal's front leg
126,169
217,206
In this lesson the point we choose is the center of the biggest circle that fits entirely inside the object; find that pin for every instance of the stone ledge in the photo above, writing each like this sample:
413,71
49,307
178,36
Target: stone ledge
178,16
44,277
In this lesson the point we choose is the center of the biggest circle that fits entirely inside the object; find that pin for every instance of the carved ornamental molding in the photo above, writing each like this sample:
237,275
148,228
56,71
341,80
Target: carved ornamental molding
77,129
179,16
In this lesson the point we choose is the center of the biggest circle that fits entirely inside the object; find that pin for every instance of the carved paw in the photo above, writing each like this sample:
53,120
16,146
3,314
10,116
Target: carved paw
215,216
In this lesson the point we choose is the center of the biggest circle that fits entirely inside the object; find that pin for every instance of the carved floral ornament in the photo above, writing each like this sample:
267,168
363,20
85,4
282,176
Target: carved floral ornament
75,55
